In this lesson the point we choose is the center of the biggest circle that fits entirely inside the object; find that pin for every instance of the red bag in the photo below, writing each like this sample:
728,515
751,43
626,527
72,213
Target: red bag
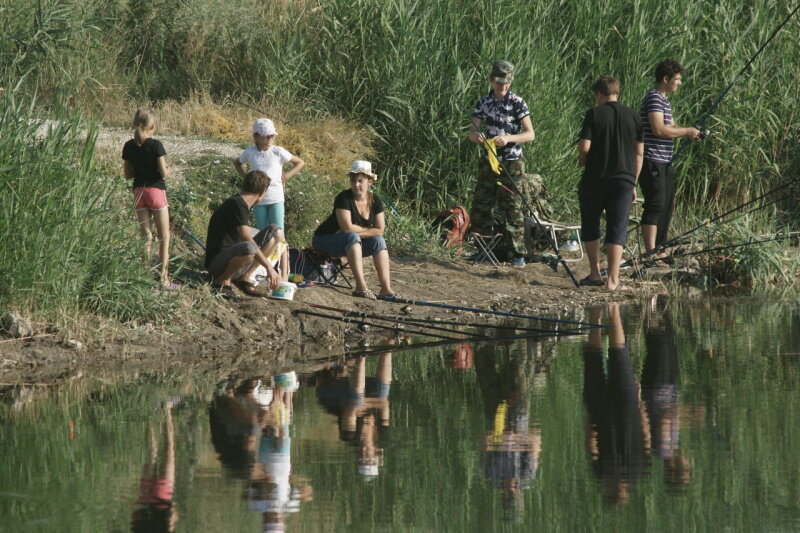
453,225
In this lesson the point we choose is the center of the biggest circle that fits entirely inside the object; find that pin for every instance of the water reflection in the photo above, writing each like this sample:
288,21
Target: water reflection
361,405
513,442
250,431
157,511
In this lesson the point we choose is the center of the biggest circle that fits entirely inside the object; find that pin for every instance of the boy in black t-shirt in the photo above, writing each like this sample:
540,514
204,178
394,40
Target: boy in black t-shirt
610,149
234,250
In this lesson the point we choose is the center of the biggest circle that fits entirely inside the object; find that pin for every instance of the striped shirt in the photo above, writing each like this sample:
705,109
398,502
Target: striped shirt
503,118
656,149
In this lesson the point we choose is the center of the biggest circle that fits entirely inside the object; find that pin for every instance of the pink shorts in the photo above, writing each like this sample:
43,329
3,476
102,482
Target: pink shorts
150,198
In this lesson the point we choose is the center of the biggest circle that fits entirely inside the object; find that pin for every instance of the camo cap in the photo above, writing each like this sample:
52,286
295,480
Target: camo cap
502,71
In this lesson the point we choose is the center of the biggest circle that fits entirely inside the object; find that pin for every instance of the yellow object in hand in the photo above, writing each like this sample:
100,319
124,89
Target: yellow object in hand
494,162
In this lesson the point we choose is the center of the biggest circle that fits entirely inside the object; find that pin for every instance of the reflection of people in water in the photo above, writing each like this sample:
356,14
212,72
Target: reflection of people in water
157,511
660,392
510,448
361,404
250,431
615,439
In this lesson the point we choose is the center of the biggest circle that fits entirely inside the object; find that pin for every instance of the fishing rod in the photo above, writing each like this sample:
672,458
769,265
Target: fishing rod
487,311
675,240
735,79
395,328
531,212
393,319
491,326
776,237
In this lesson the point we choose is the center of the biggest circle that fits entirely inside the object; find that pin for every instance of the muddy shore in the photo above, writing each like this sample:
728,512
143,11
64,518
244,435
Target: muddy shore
235,336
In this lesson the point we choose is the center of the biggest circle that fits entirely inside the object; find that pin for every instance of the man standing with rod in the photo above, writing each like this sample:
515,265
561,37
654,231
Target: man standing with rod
508,124
657,177
610,150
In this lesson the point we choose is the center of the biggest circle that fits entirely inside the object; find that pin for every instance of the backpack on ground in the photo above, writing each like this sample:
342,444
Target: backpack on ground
453,225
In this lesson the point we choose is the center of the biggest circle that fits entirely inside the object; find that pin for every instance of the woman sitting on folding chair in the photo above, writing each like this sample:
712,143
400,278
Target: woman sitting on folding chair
355,229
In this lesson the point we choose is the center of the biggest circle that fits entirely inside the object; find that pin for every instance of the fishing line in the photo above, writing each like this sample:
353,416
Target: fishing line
777,237
736,79
531,212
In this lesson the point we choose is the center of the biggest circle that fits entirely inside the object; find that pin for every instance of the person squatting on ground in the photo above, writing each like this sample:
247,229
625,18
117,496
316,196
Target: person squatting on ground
145,163
269,158
657,177
508,124
610,150
355,229
234,250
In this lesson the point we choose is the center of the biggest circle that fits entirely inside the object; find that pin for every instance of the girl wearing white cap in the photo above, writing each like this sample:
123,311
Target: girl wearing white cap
355,229
270,159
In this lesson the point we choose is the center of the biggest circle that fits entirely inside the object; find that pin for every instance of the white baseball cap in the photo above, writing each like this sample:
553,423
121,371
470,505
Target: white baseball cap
363,167
264,127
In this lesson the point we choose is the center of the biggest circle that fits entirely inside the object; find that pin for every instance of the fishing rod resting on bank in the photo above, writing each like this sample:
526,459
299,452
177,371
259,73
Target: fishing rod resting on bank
531,211
705,117
396,328
678,240
490,312
398,319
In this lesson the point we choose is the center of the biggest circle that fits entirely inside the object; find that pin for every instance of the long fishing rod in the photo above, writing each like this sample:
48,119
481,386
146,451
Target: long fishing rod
395,328
531,212
488,311
736,79
671,242
777,237
394,319
491,326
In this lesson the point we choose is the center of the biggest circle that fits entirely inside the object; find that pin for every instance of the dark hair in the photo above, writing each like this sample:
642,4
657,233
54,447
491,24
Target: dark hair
668,68
255,182
606,85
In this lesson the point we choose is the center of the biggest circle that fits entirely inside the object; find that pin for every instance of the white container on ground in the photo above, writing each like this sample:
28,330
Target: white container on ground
284,291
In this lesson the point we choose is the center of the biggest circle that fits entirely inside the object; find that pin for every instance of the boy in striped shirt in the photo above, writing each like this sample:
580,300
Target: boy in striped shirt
657,177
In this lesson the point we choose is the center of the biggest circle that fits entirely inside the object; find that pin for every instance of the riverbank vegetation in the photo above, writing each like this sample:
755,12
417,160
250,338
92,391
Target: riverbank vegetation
392,80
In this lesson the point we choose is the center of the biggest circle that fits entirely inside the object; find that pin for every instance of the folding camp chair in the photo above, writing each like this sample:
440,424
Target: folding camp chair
325,268
486,245
554,229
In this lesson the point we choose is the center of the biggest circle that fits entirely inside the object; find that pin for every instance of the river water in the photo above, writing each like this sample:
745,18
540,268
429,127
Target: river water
685,416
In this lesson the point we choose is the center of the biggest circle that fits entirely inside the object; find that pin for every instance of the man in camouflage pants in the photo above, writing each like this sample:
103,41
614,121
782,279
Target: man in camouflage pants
508,124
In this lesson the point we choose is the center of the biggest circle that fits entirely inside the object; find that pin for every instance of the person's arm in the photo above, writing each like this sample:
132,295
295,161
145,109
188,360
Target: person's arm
475,134
238,166
162,167
583,151
260,258
298,164
127,170
526,135
346,225
638,166
665,131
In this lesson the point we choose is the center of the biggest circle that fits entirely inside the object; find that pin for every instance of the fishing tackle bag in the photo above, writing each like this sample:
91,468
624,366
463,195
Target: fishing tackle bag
313,265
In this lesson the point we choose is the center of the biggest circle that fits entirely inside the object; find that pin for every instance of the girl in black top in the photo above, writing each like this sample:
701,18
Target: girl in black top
146,165
355,229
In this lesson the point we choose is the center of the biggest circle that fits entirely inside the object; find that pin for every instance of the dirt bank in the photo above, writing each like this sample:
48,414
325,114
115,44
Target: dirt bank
232,336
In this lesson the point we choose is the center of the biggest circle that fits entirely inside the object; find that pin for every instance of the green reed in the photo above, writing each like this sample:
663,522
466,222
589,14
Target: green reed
68,248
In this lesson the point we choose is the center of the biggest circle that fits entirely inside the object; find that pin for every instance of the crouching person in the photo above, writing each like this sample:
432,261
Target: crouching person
234,250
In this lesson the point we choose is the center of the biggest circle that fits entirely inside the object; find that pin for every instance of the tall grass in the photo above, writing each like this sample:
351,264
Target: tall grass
66,248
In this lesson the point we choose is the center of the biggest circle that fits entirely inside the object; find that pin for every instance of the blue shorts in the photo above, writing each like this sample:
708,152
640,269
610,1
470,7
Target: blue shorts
337,244
269,214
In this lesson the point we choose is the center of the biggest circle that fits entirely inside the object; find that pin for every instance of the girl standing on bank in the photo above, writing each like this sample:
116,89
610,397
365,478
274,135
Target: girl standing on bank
269,158
146,165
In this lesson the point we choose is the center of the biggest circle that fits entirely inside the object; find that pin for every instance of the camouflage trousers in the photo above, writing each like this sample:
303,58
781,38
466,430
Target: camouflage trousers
509,215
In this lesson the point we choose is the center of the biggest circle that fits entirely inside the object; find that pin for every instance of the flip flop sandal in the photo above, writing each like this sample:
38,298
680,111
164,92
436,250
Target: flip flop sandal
226,291
247,287
366,293
172,286
589,282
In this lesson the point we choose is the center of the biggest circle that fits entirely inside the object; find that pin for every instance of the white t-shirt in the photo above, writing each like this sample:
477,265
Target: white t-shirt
271,162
